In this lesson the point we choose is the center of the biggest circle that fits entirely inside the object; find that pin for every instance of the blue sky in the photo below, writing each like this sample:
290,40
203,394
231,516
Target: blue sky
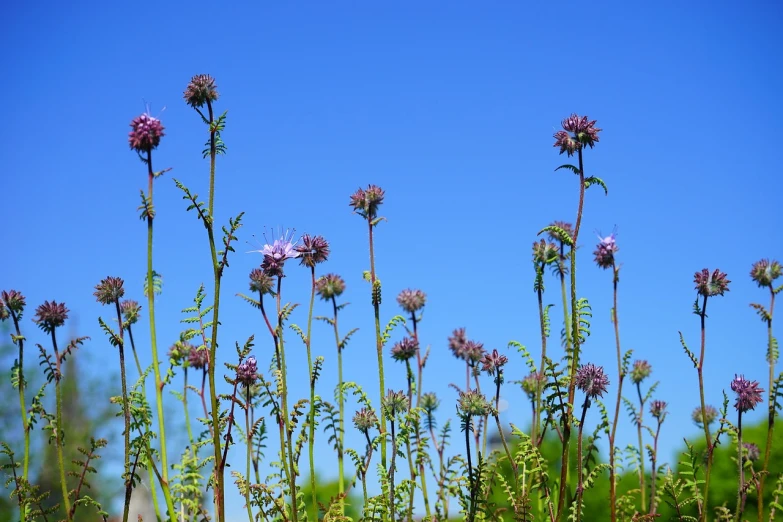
451,109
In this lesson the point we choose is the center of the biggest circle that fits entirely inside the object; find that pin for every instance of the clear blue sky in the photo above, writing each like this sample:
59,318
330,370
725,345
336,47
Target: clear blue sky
450,107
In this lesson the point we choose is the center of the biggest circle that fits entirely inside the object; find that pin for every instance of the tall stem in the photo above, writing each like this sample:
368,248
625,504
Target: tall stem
539,382
126,415
621,377
249,454
378,342
58,434
639,426
707,437
341,400
311,438
575,339
23,408
740,500
420,366
164,482
771,410
580,466
391,471
283,372
654,469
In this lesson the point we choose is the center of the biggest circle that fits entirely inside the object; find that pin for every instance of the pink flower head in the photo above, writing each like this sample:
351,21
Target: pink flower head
748,393
713,284
145,134
577,132
277,252
606,249
365,202
592,380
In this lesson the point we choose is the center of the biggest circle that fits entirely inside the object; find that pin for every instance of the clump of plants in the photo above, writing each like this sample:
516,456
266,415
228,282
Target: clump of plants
410,464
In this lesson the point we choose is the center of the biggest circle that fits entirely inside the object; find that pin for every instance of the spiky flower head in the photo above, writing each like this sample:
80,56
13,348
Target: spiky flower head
180,351
658,409
145,133
530,384
247,371
752,452
277,252
457,342
365,419
313,250
764,272
708,416
201,89
412,300
605,251
493,362
50,315
545,253
130,311
329,286
710,285
566,227
473,352
260,282
365,202
577,132
198,357
394,403
109,290
592,380
640,371
429,402
473,403
14,302
748,393
405,349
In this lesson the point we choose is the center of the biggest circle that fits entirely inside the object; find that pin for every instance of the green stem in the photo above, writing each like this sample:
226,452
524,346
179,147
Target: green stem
164,482
126,416
641,445
185,407
420,366
391,471
249,455
311,438
341,399
150,472
654,468
539,382
411,465
707,437
58,434
580,466
621,377
771,410
284,379
738,514
378,342
23,409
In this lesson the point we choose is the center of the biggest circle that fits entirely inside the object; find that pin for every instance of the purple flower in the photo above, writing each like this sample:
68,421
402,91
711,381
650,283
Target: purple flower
14,301
710,285
145,134
457,343
365,202
473,352
412,300
764,272
329,286
198,358
605,251
577,132
109,290
493,362
201,89
246,371
277,252
180,351
405,349
313,250
591,380
752,452
50,315
130,311
640,371
748,393
365,419
658,409
708,416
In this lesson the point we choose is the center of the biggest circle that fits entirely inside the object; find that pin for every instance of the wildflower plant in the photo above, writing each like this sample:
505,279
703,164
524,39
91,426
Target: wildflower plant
402,459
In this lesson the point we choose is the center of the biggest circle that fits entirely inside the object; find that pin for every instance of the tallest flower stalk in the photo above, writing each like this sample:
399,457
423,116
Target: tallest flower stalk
578,133
144,137
366,204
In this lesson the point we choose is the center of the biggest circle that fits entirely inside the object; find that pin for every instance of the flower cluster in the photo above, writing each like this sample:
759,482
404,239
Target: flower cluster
577,132
14,302
247,371
493,362
394,403
198,358
313,250
365,202
545,253
145,133
592,380
658,409
710,285
329,286
130,311
365,419
429,402
469,351
405,349
109,290
566,227
50,315
472,403
260,282
752,452
640,371
748,393
765,272
605,251
276,253
412,300
707,417
200,90
531,383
